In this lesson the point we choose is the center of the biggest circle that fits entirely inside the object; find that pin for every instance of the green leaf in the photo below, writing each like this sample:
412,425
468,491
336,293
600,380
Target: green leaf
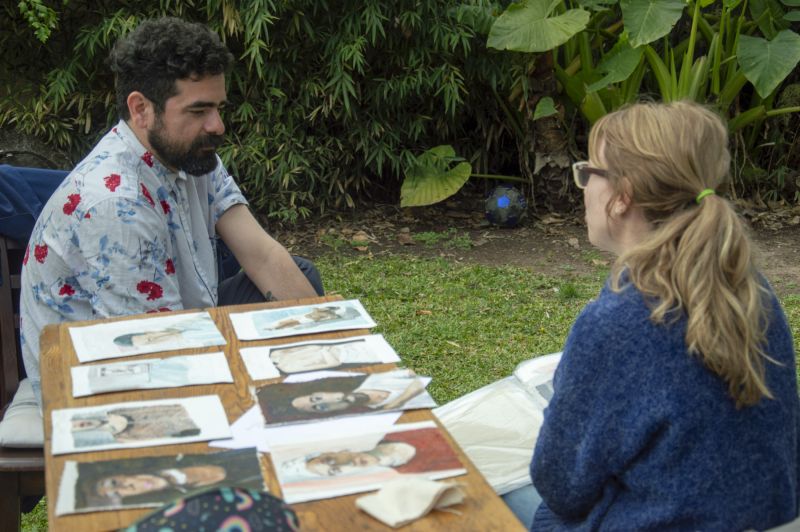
479,18
767,63
526,27
618,65
544,108
792,16
430,179
731,4
791,3
597,5
648,20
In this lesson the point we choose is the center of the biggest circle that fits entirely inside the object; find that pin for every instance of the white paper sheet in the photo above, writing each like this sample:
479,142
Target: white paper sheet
338,466
249,430
149,335
269,362
152,481
326,396
150,373
305,319
139,424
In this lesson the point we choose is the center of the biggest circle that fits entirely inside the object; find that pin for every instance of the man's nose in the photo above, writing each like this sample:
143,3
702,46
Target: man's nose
214,124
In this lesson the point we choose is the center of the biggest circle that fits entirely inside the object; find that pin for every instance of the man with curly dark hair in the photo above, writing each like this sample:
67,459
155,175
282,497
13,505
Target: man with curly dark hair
134,226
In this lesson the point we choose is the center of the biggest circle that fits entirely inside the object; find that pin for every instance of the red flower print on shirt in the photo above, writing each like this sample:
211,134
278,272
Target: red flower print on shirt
170,267
66,290
69,206
159,309
112,182
40,252
27,254
148,197
87,215
147,157
165,206
153,290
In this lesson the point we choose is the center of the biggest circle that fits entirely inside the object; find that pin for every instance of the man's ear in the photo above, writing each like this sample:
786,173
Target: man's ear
141,110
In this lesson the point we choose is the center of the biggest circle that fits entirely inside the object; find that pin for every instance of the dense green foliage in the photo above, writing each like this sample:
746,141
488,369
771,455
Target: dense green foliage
731,54
331,101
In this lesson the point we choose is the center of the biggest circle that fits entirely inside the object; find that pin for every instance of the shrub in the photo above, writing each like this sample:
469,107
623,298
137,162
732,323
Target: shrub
329,99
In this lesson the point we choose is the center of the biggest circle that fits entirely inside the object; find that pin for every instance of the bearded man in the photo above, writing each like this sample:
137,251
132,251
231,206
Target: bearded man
133,227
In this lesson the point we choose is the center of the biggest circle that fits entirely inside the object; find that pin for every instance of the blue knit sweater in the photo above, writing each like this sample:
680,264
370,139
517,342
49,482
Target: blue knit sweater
639,435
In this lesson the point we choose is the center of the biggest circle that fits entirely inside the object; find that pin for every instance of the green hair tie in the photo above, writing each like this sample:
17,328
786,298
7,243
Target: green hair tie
703,194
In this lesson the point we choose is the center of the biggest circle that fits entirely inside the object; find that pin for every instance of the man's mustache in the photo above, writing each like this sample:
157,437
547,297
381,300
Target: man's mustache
208,141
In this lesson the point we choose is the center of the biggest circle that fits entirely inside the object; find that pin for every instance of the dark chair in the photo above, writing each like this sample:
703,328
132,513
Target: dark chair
21,470
23,192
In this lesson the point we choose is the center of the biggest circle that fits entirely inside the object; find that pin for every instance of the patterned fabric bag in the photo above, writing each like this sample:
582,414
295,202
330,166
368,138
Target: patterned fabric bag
223,509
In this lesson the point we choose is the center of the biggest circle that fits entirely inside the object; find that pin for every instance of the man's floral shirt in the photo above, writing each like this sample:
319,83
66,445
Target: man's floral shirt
121,235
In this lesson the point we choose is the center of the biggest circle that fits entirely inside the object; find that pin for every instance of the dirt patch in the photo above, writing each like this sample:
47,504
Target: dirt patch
549,244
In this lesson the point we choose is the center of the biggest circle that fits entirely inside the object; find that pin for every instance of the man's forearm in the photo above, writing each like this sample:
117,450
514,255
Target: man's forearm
278,275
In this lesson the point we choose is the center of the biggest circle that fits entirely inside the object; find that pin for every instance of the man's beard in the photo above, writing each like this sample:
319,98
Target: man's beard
194,160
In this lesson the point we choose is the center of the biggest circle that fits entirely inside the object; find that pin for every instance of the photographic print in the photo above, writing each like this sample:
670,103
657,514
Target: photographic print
151,373
307,319
152,481
272,361
356,393
139,424
149,335
342,466
249,430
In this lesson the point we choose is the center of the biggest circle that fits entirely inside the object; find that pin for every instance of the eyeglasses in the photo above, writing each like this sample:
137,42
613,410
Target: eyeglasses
581,171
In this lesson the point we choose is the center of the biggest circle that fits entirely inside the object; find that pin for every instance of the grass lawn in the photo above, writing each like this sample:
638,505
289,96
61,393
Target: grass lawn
464,325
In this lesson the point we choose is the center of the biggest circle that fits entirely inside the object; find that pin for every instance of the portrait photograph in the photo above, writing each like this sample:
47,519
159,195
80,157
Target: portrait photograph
349,394
150,335
342,466
139,424
153,481
150,373
305,319
269,362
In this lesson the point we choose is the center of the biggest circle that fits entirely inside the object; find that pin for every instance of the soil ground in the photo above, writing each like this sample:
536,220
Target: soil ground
550,244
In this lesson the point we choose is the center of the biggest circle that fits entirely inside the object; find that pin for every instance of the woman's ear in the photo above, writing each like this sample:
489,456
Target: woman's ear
622,203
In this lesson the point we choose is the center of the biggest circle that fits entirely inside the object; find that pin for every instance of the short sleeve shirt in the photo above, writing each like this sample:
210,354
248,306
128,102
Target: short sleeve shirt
122,235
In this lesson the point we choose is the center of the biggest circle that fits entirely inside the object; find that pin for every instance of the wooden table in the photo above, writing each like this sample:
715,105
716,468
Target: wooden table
482,509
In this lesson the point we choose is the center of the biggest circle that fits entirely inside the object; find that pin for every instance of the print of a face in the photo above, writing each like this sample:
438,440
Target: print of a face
113,423
156,337
305,357
129,485
329,401
340,463
323,313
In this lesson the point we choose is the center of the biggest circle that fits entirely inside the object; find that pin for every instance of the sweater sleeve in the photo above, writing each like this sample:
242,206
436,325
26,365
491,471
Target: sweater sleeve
595,423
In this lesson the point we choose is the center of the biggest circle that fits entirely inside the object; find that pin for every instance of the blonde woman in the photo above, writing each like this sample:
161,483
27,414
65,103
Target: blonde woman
675,403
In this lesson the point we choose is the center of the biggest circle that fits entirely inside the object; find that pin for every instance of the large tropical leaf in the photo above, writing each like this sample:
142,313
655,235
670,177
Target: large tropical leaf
765,63
431,179
597,5
618,65
648,20
527,27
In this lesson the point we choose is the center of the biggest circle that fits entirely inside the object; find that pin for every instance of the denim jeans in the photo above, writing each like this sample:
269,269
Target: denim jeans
523,502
